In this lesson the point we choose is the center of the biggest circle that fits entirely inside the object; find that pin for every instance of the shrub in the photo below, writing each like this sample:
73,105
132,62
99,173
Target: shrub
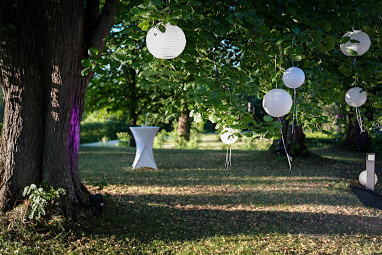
124,138
96,131
42,202
161,137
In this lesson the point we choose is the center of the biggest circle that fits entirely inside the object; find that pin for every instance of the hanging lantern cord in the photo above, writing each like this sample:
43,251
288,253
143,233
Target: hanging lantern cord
228,158
276,68
357,113
355,65
359,120
292,48
294,112
286,152
352,27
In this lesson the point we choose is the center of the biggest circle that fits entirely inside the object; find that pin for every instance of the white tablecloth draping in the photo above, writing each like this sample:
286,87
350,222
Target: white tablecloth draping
144,138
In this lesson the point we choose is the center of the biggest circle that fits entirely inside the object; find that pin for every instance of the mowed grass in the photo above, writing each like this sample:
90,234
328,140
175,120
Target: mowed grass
191,206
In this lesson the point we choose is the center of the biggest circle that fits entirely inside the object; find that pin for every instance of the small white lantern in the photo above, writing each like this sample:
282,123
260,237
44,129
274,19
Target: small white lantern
355,97
277,102
293,77
229,137
363,176
166,45
360,48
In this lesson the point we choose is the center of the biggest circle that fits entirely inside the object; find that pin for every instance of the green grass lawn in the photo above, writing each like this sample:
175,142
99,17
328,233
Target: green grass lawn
191,206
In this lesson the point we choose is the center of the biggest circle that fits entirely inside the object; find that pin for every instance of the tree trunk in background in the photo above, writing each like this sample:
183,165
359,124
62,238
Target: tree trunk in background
131,80
295,142
132,123
44,92
184,123
353,138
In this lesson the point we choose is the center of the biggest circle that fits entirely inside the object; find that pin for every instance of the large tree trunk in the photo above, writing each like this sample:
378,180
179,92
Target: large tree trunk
40,62
295,142
184,122
353,138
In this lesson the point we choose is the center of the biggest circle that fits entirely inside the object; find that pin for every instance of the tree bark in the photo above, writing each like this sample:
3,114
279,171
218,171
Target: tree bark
133,115
44,92
184,123
353,138
295,142
132,123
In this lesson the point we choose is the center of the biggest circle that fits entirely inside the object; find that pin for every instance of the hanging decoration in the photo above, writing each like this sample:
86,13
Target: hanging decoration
228,137
359,42
293,78
355,97
168,44
363,177
357,45
277,103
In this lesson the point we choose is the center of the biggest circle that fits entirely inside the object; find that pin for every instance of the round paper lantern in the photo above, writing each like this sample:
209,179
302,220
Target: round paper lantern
229,136
355,98
360,47
363,176
277,102
293,77
166,45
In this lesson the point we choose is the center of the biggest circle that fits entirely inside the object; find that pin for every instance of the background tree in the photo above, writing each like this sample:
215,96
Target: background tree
251,35
119,90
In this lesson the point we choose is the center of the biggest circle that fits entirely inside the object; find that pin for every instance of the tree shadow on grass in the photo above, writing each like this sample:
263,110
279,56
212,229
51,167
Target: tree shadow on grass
174,217
255,198
147,222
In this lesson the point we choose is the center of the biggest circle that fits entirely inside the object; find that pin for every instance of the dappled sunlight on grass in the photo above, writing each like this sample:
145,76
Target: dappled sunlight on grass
212,141
271,244
191,205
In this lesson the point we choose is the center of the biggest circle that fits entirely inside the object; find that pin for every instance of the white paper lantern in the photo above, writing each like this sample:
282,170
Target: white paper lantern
293,77
363,177
361,47
277,102
355,98
166,45
229,137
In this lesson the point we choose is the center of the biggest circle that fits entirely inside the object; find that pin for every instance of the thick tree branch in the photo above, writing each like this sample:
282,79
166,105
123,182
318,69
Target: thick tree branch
103,25
91,16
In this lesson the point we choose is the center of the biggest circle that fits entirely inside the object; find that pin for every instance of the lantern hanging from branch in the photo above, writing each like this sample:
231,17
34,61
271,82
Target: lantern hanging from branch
277,103
168,44
293,78
355,97
228,137
359,43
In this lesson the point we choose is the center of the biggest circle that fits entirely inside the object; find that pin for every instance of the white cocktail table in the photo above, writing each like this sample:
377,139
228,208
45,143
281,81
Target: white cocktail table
144,138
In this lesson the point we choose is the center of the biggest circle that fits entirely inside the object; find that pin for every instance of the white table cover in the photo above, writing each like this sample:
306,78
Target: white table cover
144,138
